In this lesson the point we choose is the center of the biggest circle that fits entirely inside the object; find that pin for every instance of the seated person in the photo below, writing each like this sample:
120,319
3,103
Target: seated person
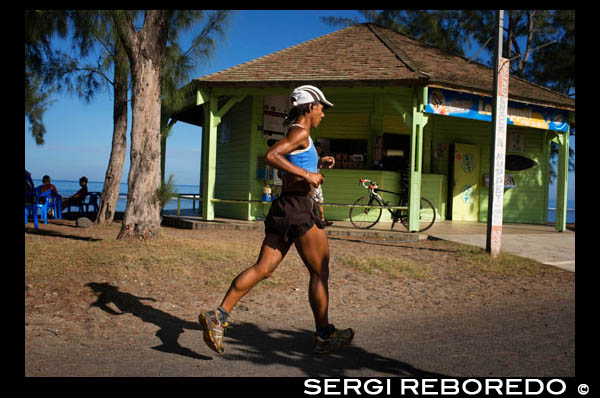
47,185
79,196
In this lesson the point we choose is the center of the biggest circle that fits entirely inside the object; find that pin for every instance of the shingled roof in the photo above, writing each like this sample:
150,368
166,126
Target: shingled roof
370,55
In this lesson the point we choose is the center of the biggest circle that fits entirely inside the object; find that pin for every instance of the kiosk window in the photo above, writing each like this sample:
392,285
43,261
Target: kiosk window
348,146
349,154
396,149
519,163
396,141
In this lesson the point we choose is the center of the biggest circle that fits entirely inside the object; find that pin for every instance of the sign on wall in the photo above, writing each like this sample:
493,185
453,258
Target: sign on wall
516,141
471,106
275,109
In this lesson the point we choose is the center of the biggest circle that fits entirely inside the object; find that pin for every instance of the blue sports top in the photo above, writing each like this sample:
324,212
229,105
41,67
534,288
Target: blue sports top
307,158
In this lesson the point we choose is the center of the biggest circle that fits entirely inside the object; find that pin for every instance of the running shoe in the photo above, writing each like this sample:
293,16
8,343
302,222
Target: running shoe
338,338
213,330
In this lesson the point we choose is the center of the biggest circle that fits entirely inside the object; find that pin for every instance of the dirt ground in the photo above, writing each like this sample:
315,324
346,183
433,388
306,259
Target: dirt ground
93,297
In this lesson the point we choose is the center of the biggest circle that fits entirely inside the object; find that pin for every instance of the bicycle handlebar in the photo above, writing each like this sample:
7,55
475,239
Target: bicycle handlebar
371,184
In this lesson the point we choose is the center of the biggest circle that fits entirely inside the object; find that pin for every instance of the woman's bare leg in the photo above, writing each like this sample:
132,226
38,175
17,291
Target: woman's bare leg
273,250
313,248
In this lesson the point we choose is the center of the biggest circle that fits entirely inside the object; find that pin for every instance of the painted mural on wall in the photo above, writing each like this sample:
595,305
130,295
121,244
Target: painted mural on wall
468,193
471,106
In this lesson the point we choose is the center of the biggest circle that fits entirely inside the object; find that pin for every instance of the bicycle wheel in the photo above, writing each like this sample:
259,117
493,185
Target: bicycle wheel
365,217
426,216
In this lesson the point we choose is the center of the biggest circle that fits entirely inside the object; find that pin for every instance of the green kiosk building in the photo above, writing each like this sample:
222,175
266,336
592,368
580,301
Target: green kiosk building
407,115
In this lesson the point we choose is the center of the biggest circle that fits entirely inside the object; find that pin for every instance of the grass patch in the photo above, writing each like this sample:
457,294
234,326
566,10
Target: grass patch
505,264
395,267
213,262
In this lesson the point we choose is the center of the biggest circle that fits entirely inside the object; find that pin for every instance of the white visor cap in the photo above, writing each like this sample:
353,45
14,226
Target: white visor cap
308,94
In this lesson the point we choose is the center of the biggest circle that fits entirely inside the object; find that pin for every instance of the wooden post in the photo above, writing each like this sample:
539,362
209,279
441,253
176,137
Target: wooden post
498,144
418,122
209,157
563,176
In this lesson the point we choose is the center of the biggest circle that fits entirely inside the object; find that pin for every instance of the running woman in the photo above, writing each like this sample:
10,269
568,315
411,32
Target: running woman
292,219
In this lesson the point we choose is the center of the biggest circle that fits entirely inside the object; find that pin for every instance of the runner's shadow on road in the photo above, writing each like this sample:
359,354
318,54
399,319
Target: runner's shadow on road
170,326
293,348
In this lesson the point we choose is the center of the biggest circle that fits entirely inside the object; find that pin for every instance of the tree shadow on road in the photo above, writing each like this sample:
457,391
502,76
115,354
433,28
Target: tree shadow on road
170,326
293,348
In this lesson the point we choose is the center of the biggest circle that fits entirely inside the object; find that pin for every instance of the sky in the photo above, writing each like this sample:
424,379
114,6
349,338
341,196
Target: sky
78,136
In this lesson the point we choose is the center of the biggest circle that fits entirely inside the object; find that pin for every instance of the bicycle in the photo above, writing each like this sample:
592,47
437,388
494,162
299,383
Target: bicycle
366,210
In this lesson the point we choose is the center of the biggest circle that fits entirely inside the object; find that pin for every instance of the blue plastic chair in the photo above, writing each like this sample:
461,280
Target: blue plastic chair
51,201
54,201
43,207
32,207
90,199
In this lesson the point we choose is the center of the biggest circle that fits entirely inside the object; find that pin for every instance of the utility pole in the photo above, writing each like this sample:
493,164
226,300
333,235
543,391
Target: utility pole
498,143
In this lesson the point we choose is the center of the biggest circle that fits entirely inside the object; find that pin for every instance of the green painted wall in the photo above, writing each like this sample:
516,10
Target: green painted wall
434,187
233,163
258,149
342,187
527,202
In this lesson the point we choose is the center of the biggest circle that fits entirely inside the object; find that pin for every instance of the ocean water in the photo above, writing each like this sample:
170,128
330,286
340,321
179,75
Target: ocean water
68,188
570,211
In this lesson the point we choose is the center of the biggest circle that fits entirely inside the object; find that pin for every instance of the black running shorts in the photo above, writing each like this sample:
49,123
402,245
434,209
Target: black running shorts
291,215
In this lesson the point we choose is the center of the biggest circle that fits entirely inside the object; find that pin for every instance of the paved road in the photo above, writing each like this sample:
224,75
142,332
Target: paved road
558,250
540,243
530,339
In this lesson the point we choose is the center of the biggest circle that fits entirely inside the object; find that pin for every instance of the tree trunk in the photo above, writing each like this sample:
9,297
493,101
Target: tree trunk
145,50
112,181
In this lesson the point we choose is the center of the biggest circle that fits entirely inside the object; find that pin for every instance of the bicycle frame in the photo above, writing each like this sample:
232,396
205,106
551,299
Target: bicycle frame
374,192
398,213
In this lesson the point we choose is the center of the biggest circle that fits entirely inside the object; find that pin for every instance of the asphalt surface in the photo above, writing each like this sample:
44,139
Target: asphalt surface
532,339
538,242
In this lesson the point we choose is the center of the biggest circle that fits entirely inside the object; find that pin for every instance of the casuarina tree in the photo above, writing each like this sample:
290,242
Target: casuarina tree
146,49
